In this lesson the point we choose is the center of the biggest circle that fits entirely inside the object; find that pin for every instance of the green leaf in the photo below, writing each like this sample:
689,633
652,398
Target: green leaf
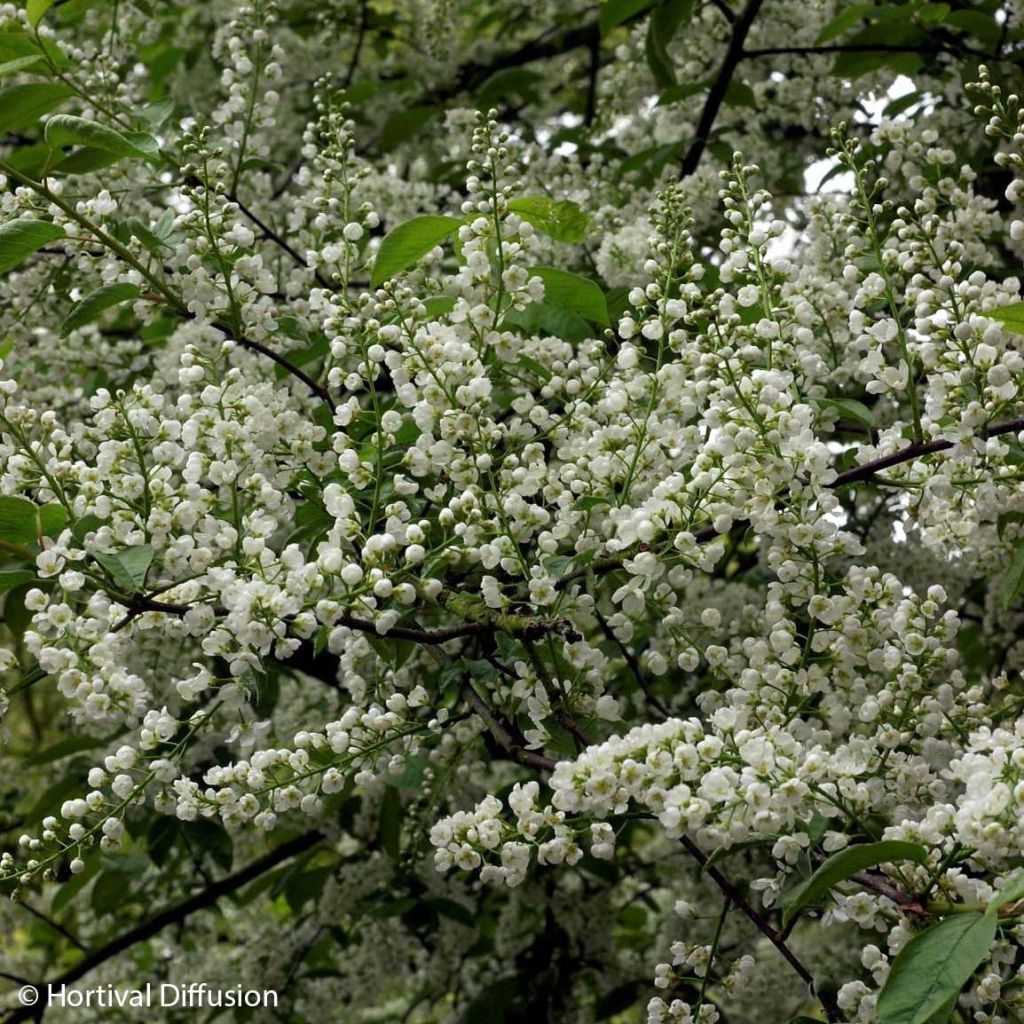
11,578
615,12
23,521
1013,580
739,94
404,125
563,220
36,9
19,523
577,294
845,20
409,242
20,238
390,823
1011,317
845,863
67,130
64,748
1010,893
52,517
22,105
96,302
539,318
667,19
848,409
127,568
976,23
10,67
933,967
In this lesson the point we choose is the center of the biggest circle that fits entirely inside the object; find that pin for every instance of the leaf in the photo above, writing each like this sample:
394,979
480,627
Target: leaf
933,967
407,243
539,318
404,125
10,67
577,294
390,823
845,863
127,568
85,311
36,9
976,23
846,19
1010,893
1013,580
1011,317
667,19
563,220
23,521
67,130
615,12
851,410
15,578
64,748
20,238
22,105
19,523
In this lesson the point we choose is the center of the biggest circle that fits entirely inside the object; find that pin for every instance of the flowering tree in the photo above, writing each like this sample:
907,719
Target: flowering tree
512,512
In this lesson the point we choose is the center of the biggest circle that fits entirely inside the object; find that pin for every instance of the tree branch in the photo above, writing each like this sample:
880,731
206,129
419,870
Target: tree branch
716,94
775,938
504,738
172,915
858,474
282,243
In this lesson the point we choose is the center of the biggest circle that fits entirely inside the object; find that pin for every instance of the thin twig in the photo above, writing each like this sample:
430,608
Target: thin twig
147,929
603,566
775,938
719,87
280,241
503,735
50,923
634,665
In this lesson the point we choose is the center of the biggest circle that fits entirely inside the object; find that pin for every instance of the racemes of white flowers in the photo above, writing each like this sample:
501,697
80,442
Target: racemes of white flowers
551,495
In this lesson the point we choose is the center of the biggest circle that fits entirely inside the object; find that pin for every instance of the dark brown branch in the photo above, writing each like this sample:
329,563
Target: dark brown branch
282,243
727,11
775,938
297,372
172,915
633,664
514,750
858,474
528,627
719,87
915,451
50,923
357,51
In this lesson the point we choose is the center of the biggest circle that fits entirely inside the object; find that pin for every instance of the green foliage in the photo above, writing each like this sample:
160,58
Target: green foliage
405,245
666,20
931,970
22,105
841,865
1011,316
572,293
563,220
127,568
24,522
89,308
